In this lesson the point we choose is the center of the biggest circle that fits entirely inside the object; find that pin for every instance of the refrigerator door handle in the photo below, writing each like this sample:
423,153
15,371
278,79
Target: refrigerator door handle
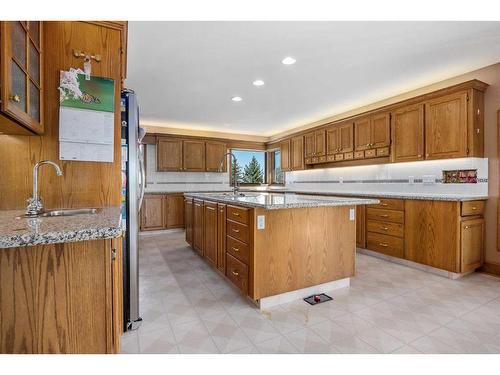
143,176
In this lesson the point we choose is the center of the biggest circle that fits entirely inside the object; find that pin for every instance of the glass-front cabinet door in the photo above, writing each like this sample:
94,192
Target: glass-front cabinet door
22,77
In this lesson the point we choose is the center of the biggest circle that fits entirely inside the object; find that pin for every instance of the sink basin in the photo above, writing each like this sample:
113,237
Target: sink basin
64,212
69,212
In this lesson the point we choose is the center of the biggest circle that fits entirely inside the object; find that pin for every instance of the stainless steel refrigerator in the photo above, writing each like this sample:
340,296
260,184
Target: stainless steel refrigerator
133,185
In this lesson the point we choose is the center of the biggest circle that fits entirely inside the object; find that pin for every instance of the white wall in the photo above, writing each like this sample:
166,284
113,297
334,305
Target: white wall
392,178
181,181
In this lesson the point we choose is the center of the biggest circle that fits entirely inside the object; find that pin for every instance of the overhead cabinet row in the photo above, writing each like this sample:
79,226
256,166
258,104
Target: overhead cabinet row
190,155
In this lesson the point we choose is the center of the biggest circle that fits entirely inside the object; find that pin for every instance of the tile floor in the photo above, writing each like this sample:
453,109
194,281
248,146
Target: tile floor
188,308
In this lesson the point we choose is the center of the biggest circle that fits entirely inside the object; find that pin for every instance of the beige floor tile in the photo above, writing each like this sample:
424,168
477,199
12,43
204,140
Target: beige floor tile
380,340
279,345
227,335
307,341
160,341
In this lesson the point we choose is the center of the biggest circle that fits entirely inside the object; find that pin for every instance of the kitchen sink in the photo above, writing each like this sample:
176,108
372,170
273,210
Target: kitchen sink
65,212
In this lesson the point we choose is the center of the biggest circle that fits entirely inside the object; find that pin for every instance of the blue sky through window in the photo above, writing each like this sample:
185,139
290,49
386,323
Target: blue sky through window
244,157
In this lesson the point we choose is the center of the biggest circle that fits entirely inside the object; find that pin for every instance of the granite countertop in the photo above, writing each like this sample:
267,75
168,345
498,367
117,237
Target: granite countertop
273,201
16,232
418,196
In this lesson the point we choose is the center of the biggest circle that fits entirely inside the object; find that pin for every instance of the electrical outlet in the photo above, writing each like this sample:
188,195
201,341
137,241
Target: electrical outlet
352,214
429,179
411,180
261,222
341,180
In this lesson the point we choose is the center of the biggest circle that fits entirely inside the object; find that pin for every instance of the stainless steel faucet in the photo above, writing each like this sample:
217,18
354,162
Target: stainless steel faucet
236,186
35,206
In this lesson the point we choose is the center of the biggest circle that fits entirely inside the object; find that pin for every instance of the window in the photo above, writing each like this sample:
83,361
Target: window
277,175
249,167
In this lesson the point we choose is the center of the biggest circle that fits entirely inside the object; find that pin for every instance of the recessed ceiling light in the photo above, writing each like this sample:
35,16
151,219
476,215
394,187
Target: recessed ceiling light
258,82
236,98
288,60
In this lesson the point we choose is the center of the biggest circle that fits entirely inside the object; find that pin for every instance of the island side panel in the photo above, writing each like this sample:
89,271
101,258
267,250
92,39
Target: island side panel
302,247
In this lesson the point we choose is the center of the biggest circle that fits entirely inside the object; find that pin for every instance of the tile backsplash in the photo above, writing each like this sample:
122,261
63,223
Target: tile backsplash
181,181
423,177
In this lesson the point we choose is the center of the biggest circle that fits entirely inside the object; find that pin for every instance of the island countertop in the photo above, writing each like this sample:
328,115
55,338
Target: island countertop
274,201
17,232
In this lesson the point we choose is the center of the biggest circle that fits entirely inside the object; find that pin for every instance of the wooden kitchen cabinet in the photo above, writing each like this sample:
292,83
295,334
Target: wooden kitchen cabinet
297,153
174,207
214,151
408,134
362,134
210,234
221,237
198,225
188,218
380,134
309,145
340,141
472,243
193,156
117,290
21,77
446,126
315,144
169,154
285,155
153,212
361,226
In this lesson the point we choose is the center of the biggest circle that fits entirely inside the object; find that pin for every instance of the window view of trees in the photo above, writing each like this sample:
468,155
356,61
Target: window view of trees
249,167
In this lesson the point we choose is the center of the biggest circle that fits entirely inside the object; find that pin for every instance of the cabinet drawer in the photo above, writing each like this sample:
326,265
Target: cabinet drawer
237,273
348,156
322,159
330,158
339,157
379,214
237,230
238,214
390,204
384,227
471,208
308,160
385,244
359,154
384,151
237,249
370,153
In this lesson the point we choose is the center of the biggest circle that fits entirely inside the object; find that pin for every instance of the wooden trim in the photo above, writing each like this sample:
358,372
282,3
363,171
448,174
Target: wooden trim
230,143
491,268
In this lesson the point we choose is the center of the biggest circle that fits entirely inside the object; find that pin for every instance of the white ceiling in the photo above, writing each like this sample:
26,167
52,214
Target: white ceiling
185,73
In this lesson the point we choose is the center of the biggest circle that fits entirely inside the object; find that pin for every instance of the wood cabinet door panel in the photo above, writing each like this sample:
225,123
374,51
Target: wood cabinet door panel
188,217
361,226
384,215
237,273
238,249
198,226
285,155
384,227
153,212
193,156
221,237
168,154
320,143
431,231
210,232
214,151
390,204
310,144
362,134
380,130
388,245
333,140
237,230
175,211
471,208
472,244
408,133
446,127
239,214
297,150
346,137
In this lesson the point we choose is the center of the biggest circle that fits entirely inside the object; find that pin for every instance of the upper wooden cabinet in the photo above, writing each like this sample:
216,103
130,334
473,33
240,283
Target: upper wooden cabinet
315,144
446,127
21,77
297,153
214,151
285,155
168,154
372,131
190,155
340,138
408,133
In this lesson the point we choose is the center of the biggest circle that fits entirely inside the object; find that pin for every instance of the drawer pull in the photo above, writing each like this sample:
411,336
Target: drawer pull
474,208
383,244
383,204
236,214
235,273
15,98
235,249
384,228
385,215
236,230
467,227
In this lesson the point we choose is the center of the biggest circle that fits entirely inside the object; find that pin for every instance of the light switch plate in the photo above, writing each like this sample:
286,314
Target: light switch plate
411,180
352,214
429,179
261,222
341,180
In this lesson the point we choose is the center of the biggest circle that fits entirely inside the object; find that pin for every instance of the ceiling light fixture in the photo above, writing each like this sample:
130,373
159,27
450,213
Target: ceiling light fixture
288,60
258,82
236,98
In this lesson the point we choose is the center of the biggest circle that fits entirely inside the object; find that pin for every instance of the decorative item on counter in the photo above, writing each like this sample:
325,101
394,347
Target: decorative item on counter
460,176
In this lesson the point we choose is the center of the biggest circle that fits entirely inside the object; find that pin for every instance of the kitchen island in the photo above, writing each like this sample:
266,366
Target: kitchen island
275,247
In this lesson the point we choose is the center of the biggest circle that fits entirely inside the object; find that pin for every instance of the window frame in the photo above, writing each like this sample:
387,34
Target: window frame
265,166
271,168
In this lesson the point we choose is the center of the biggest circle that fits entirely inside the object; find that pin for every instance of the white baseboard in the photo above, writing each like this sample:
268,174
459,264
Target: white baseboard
418,266
268,302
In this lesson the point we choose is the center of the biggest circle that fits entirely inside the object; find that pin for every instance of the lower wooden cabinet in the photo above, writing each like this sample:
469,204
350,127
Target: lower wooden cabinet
360,226
162,211
198,227
472,244
188,219
62,298
210,236
221,237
